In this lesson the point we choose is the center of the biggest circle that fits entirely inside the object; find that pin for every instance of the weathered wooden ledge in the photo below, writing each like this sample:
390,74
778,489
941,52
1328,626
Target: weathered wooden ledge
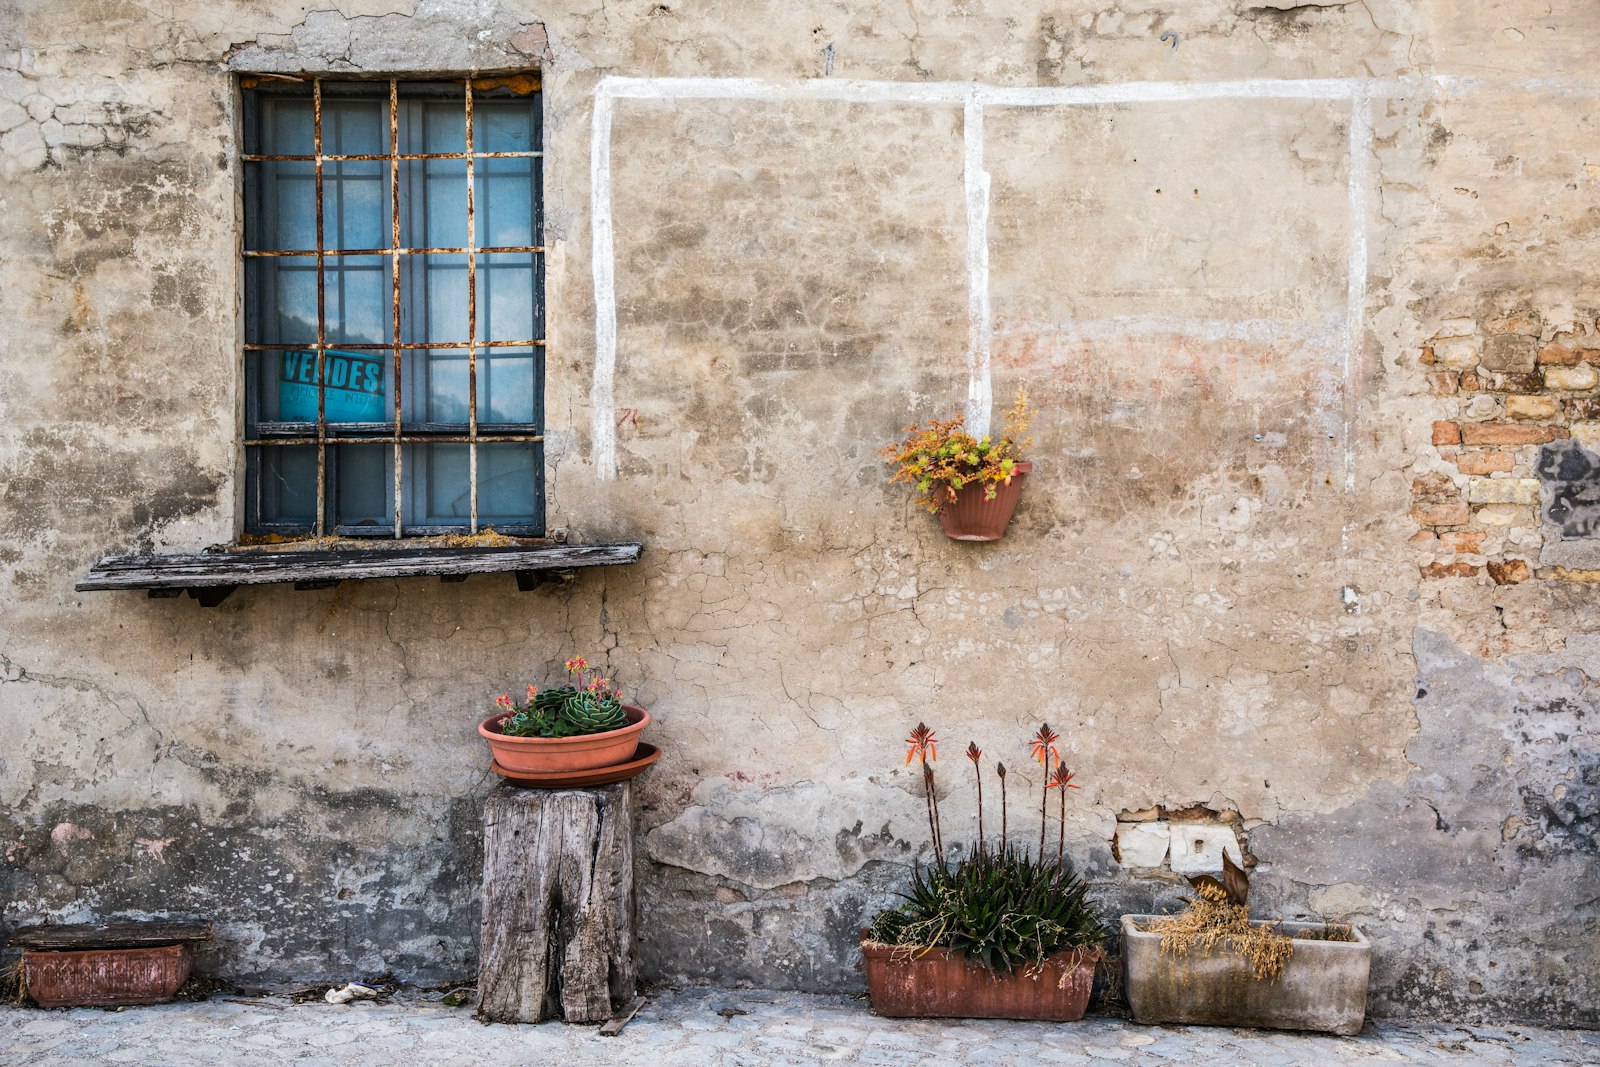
210,576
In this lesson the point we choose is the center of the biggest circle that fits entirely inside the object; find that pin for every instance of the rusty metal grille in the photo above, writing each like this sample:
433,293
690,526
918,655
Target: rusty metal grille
385,387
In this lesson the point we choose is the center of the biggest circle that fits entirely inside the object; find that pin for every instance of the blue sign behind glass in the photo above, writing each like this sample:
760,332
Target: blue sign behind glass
352,381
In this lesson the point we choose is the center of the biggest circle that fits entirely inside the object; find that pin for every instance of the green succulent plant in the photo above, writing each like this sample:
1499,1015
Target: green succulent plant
583,707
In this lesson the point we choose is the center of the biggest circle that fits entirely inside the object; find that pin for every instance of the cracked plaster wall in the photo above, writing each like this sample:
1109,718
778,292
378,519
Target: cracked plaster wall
1168,281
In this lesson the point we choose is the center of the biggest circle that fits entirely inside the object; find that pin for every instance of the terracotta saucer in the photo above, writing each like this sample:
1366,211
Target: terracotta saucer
619,772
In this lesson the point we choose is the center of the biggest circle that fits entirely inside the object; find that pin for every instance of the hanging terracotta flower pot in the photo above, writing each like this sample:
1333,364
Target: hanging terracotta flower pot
972,517
939,457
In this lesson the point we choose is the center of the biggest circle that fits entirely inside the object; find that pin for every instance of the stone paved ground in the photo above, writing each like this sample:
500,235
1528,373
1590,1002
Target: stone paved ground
696,1027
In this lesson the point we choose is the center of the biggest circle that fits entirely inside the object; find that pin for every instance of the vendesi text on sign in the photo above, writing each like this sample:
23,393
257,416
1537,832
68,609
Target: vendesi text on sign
352,386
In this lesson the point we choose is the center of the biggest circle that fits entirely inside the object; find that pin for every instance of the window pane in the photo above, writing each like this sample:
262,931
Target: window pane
353,127
435,298
281,300
503,202
283,205
509,308
436,386
510,382
355,206
286,485
437,492
361,481
287,126
504,124
359,298
508,482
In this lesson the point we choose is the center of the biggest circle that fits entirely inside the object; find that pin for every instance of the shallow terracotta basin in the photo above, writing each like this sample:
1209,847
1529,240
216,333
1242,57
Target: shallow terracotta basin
909,982
549,755
105,977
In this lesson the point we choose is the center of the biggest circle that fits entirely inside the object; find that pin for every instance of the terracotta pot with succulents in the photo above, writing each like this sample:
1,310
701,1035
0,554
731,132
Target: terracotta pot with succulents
580,726
971,483
1004,933
1212,964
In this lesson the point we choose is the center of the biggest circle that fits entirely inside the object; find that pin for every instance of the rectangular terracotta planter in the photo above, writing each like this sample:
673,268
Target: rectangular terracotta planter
105,977
1323,986
910,982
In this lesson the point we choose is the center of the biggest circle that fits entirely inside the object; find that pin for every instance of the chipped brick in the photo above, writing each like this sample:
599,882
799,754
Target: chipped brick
1446,433
1448,570
1485,462
1453,514
1530,408
1582,376
1510,572
1463,540
1499,433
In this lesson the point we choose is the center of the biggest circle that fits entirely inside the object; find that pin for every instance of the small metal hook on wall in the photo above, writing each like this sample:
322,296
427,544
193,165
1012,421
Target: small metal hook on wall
1169,35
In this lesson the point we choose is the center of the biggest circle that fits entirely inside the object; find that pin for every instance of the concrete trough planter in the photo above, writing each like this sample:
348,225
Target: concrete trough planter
935,983
1323,986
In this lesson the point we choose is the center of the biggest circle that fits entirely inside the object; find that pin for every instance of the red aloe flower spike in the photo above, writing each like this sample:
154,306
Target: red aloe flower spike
923,744
1062,779
1043,745
1000,769
974,753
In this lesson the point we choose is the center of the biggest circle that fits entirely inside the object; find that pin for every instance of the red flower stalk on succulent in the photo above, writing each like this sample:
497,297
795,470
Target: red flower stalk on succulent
922,745
1043,745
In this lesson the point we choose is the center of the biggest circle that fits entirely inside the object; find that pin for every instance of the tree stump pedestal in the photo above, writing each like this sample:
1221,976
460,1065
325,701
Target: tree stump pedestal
557,935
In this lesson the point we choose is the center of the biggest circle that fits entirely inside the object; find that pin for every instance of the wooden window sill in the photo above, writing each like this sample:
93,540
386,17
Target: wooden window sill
210,577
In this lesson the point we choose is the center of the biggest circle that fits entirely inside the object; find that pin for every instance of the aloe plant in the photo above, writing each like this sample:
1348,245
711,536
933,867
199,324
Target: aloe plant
1003,906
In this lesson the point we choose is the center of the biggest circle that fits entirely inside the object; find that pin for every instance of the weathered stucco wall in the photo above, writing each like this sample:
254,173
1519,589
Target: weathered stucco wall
1287,567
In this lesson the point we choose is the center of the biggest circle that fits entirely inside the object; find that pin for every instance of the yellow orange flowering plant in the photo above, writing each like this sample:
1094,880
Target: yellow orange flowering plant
940,457
582,706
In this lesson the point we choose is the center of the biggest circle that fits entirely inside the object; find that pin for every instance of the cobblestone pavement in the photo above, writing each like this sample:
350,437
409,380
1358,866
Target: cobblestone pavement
721,1027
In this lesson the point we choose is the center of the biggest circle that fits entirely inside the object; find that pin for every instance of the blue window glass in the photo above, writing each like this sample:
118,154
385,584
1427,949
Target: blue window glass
394,324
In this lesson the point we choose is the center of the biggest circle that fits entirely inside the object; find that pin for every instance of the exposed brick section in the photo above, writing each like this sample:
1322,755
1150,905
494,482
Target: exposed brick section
1490,382
1447,433
1485,462
1503,491
1448,570
1505,515
1567,355
1570,574
1509,352
1575,378
1532,408
1444,383
1580,408
1510,572
1434,488
1452,514
1463,540
1457,355
1500,433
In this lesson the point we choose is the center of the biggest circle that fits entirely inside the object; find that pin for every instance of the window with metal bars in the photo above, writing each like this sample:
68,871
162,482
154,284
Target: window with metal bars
394,308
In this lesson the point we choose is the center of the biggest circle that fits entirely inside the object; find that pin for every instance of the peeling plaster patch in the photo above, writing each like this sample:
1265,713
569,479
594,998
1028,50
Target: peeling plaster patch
430,38
773,837
1497,826
155,846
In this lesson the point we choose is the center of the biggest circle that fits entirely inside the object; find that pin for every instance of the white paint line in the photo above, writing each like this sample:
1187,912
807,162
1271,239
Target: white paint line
1356,273
999,96
602,399
980,389
974,99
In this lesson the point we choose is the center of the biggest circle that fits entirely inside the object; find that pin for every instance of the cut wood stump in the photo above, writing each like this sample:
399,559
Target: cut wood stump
557,934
